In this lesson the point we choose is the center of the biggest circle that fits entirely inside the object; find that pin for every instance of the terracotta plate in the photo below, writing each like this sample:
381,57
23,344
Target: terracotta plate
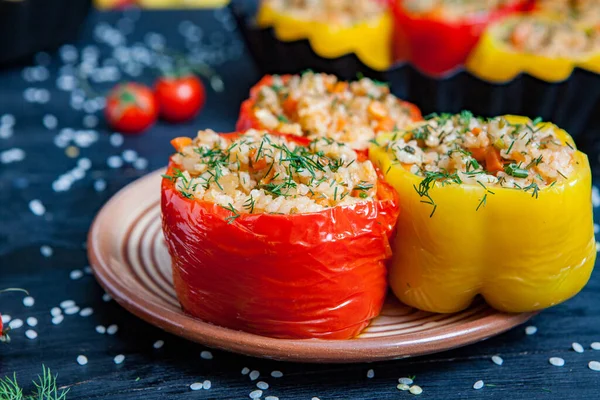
130,259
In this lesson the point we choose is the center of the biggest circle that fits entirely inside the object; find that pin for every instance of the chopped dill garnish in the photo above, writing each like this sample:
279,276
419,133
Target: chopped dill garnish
534,189
429,182
482,202
249,204
516,171
235,213
363,186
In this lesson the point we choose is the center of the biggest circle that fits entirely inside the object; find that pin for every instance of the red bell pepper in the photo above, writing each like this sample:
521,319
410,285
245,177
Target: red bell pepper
247,119
314,275
435,45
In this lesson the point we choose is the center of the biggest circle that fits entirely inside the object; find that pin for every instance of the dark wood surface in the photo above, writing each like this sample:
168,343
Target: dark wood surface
167,373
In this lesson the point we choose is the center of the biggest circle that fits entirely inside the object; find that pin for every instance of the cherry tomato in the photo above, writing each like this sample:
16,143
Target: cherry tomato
131,108
179,98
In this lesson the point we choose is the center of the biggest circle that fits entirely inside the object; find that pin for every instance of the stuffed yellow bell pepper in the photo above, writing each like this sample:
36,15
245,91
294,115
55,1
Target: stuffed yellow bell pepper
544,47
334,28
585,13
499,207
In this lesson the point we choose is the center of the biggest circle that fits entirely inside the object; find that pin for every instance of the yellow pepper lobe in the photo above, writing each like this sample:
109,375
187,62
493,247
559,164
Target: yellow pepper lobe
496,61
369,40
519,252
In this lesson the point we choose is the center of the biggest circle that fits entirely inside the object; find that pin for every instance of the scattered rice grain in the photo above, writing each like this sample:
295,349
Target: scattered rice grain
254,375
67,304
497,360
32,321
255,394
28,301
76,274
262,385
99,185
119,358
15,323
114,162
406,381
416,390
206,385
530,330
58,319
370,374
116,139
276,374
578,348
196,386
403,386
112,329
207,355
478,385
245,371
556,361
594,365
101,329
106,297
129,155
55,311
140,163
37,208
82,360
46,251
72,310
86,312
31,334
595,346
158,344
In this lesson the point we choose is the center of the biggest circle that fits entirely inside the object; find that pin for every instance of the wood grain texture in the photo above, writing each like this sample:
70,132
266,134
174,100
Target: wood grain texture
168,372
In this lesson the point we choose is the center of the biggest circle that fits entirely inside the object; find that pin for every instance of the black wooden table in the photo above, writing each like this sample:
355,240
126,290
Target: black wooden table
45,134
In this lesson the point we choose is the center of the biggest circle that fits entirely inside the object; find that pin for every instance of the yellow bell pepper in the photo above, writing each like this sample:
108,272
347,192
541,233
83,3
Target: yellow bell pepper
519,252
369,40
108,4
496,61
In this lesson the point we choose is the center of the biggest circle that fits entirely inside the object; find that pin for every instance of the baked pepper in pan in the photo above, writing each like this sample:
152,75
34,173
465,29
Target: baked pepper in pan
334,32
319,105
247,262
500,208
544,47
437,39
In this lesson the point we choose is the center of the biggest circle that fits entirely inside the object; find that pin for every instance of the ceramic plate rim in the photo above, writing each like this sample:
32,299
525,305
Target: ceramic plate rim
303,350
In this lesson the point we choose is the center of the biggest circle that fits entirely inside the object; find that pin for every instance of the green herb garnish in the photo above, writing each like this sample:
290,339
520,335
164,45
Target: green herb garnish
514,170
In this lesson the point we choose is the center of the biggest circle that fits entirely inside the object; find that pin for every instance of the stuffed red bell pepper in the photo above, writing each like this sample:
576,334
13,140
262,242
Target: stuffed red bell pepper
320,105
437,36
277,238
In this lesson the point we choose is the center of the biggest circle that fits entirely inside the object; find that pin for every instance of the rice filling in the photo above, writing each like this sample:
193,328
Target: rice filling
318,105
263,173
491,152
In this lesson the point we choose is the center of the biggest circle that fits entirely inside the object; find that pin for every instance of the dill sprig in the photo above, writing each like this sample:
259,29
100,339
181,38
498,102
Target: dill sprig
235,214
431,178
363,186
46,388
249,204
